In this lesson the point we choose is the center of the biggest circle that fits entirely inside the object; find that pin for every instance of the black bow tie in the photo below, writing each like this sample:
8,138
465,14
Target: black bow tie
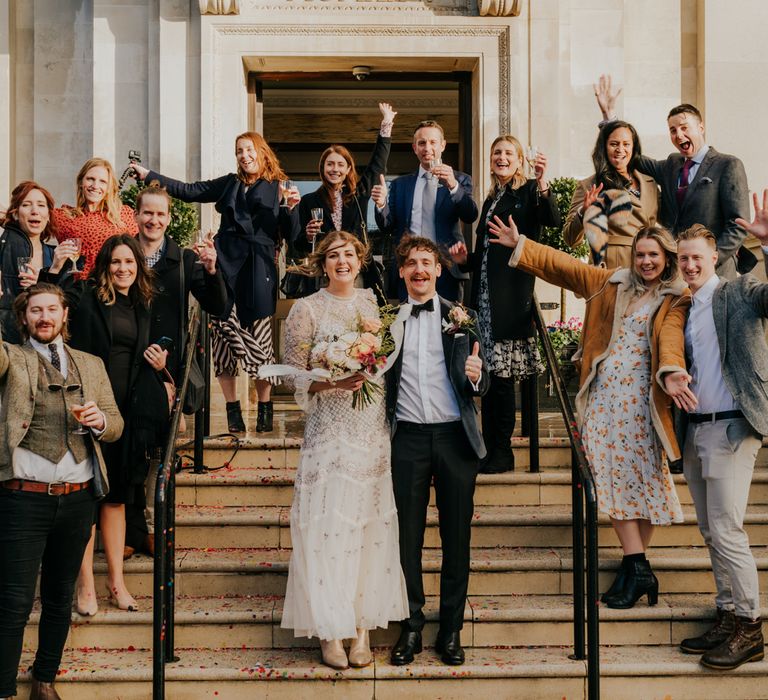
416,309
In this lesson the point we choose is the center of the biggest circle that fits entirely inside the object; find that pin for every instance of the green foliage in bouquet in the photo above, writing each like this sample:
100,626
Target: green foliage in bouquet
562,189
184,218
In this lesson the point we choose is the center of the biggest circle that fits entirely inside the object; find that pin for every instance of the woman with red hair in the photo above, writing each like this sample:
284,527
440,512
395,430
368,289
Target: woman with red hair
343,196
252,224
98,212
27,245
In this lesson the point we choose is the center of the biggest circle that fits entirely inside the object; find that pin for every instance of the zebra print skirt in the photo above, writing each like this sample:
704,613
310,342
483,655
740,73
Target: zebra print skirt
233,345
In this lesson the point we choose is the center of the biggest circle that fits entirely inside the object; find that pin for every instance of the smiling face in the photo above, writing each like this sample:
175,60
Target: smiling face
95,185
696,259
335,169
420,271
45,317
247,156
650,260
428,145
152,217
123,268
686,132
618,149
342,265
33,213
506,160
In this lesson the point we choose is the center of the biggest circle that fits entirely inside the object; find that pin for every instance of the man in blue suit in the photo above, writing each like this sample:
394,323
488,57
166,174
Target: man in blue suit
430,203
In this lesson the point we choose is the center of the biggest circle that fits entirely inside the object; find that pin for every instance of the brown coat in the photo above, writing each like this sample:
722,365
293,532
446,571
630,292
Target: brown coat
608,294
644,212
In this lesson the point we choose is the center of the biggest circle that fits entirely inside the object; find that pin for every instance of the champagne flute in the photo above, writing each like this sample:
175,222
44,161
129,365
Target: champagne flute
77,243
435,163
201,240
77,411
287,186
317,215
531,153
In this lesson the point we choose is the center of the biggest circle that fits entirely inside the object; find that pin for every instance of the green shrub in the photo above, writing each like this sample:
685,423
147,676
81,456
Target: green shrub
562,188
184,218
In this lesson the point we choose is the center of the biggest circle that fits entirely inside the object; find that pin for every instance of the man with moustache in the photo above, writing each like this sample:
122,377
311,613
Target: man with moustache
431,203
728,357
430,392
699,185
177,274
50,478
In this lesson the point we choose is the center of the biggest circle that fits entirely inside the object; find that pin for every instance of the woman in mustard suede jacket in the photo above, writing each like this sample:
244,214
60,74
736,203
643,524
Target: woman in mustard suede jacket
633,363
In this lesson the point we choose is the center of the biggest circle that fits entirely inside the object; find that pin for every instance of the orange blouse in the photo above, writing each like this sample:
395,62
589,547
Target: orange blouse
92,228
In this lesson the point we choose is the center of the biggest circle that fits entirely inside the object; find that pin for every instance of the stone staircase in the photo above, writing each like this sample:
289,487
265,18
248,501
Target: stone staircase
234,544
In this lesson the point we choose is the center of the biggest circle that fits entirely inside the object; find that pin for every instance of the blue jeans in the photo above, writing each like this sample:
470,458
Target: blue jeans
39,529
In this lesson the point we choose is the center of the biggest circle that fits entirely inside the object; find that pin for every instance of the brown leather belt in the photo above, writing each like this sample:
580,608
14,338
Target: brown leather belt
57,488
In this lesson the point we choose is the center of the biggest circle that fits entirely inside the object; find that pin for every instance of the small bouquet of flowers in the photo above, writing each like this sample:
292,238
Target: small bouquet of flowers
458,321
564,336
364,348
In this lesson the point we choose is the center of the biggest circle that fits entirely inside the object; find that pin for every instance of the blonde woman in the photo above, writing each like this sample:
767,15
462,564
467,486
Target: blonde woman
98,212
633,361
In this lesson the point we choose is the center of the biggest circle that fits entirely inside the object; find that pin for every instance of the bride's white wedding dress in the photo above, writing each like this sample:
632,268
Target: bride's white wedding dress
345,569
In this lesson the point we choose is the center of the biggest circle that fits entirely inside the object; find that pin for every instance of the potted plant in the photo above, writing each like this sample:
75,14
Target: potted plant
565,338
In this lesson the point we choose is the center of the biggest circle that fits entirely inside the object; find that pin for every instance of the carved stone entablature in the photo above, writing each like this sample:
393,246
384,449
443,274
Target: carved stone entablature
219,7
438,7
499,8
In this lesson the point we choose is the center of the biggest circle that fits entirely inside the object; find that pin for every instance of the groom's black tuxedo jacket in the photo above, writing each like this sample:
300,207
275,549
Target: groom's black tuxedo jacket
456,348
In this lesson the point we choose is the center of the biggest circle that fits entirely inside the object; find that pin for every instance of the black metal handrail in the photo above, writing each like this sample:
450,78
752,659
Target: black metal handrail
164,587
582,492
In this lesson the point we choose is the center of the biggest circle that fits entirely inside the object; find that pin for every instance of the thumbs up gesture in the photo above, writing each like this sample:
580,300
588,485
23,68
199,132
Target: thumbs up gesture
473,367
379,193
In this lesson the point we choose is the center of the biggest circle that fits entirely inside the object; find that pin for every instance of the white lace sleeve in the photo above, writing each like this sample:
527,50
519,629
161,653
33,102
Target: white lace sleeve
299,335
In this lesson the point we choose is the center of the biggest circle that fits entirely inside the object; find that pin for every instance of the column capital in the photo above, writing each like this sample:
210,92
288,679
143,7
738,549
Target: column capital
499,8
219,7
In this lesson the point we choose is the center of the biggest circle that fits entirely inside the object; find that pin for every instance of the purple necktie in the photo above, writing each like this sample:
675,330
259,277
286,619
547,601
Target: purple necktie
682,186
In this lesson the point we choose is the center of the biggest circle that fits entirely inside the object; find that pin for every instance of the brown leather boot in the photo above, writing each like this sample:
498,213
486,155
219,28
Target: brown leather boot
722,629
43,691
745,644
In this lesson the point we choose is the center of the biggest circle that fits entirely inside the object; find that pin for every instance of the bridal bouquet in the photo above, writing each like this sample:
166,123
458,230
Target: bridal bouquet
364,348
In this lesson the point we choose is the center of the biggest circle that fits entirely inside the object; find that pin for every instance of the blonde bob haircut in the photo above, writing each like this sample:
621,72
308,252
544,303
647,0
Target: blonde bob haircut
671,274
518,178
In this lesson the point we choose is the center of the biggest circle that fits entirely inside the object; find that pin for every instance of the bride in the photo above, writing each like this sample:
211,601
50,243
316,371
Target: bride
344,577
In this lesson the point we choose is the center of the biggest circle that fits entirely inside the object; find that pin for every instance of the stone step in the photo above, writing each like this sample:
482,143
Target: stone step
508,526
509,621
494,571
251,486
536,673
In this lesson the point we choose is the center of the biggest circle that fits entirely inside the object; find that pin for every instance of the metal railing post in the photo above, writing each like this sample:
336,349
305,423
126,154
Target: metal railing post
577,500
202,417
170,566
532,389
158,597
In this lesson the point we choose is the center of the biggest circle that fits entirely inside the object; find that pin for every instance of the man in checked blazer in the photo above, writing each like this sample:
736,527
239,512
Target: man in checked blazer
728,362
699,185
431,202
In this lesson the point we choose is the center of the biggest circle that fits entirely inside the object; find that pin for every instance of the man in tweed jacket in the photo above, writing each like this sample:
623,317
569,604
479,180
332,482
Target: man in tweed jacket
728,358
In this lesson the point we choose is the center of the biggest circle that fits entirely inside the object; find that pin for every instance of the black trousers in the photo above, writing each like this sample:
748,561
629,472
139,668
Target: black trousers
441,453
52,531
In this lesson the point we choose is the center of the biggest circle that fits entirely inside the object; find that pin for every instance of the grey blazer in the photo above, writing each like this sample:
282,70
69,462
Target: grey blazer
740,309
716,197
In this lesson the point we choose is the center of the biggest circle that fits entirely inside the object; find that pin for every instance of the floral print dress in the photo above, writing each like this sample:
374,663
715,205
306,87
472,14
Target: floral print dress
630,469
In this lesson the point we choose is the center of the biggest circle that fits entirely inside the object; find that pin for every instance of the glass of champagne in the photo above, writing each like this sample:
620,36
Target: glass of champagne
201,240
287,186
23,266
77,244
531,153
437,162
317,215
77,412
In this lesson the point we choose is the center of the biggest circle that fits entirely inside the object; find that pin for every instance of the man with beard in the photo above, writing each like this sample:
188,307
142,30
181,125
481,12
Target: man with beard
430,407
57,404
699,185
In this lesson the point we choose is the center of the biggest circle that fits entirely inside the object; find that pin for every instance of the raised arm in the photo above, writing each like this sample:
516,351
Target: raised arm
377,165
201,191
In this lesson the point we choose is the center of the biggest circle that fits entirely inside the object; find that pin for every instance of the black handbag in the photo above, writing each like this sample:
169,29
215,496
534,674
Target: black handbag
294,285
194,398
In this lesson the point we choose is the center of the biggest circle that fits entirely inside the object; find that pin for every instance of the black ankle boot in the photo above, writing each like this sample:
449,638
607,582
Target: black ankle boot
640,581
264,417
617,586
235,422
745,644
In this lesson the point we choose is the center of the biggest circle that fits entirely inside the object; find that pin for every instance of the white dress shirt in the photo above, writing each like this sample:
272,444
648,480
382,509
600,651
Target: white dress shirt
32,467
702,348
426,394
418,193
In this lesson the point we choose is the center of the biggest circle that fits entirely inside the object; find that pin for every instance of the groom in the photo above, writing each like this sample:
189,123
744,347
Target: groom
430,391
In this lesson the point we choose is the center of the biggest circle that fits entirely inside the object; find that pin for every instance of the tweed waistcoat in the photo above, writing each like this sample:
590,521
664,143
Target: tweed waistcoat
50,430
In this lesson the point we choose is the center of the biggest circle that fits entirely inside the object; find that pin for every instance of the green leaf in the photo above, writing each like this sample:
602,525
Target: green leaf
562,188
